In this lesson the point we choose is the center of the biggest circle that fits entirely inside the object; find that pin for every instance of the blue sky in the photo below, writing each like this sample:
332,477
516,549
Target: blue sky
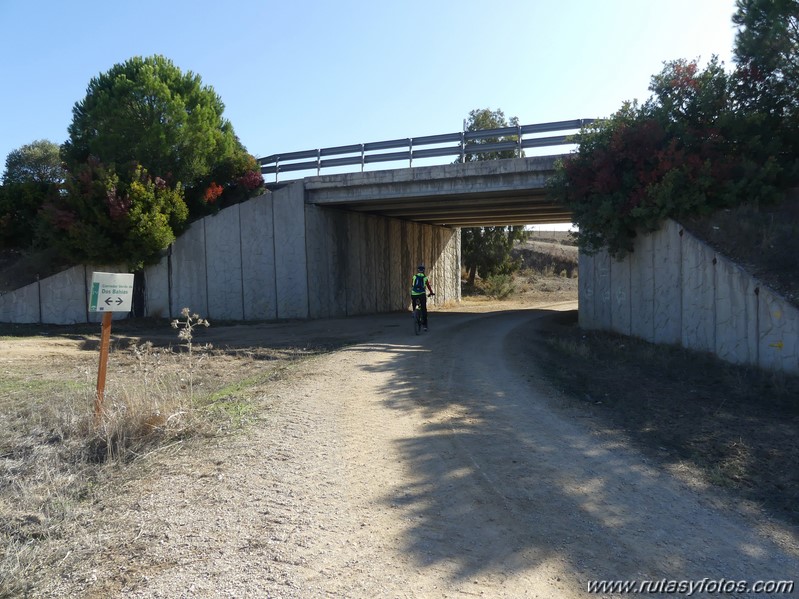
304,74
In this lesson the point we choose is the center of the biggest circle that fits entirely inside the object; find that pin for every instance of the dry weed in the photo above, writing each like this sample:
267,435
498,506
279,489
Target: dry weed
53,456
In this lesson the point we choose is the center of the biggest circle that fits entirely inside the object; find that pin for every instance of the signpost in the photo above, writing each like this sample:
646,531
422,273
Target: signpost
110,292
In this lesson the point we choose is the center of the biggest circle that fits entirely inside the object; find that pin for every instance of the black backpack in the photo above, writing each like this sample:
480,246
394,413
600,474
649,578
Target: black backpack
418,283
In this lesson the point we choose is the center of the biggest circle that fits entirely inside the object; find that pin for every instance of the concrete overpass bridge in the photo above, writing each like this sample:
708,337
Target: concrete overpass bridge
333,245
474,194
469,193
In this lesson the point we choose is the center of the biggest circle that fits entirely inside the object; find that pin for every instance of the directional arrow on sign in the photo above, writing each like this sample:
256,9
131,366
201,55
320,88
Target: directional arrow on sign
110,300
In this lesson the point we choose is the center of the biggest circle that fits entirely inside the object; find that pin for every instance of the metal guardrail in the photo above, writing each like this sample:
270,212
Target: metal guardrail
466,142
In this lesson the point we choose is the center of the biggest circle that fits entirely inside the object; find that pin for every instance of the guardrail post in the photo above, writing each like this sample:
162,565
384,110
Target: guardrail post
318,162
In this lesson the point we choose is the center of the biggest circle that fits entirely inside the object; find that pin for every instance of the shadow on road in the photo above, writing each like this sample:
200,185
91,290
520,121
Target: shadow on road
504,482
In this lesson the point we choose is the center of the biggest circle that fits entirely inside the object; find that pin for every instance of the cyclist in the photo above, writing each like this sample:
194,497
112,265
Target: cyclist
419,287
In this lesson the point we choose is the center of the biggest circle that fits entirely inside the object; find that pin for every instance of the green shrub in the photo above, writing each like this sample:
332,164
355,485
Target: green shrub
499,286
688,151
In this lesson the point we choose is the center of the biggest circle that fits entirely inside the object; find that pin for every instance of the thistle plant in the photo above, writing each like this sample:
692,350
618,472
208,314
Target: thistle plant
186,334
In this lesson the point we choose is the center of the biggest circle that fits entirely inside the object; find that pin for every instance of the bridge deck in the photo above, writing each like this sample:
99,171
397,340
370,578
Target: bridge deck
488,193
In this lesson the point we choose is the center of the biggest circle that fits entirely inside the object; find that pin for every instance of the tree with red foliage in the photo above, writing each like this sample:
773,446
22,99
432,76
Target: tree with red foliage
685,152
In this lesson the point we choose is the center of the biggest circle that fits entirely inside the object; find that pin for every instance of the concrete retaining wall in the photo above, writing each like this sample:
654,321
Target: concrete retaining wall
271,258
60,299
675,289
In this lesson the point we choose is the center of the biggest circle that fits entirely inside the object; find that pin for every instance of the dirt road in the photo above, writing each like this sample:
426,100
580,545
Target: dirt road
430,466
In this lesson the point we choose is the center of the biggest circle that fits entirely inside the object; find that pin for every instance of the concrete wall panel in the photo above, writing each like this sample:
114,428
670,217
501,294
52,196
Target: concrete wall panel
736,314
318,249
778,344
408,268
427,252
353,274
21,305
368,264
451,271
602,291
189,285
64,297
338,263
586,291
383,265
700,300
291,267
223,264
698,296
642,288
396,275
258,259
156,288
438,266
667,279
620,308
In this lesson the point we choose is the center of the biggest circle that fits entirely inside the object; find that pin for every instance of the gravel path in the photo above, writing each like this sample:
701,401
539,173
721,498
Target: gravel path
429,466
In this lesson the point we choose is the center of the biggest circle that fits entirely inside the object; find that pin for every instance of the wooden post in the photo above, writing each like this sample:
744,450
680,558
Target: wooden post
105,339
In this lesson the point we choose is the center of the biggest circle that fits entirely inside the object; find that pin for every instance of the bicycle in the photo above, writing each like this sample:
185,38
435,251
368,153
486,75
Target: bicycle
417,315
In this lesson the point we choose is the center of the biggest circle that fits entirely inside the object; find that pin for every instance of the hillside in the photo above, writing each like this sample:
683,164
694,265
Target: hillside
764,240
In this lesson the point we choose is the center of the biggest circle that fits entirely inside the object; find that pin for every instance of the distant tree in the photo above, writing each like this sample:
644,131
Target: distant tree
31,177
483,119
20,204
37,162
146,111
767,47
767,76
487,249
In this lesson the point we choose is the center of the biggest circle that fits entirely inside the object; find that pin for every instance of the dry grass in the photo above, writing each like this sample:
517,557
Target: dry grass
762,239
733,427
548,272
54,457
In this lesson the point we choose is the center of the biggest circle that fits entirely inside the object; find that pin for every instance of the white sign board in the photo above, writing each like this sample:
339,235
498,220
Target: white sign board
111,292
